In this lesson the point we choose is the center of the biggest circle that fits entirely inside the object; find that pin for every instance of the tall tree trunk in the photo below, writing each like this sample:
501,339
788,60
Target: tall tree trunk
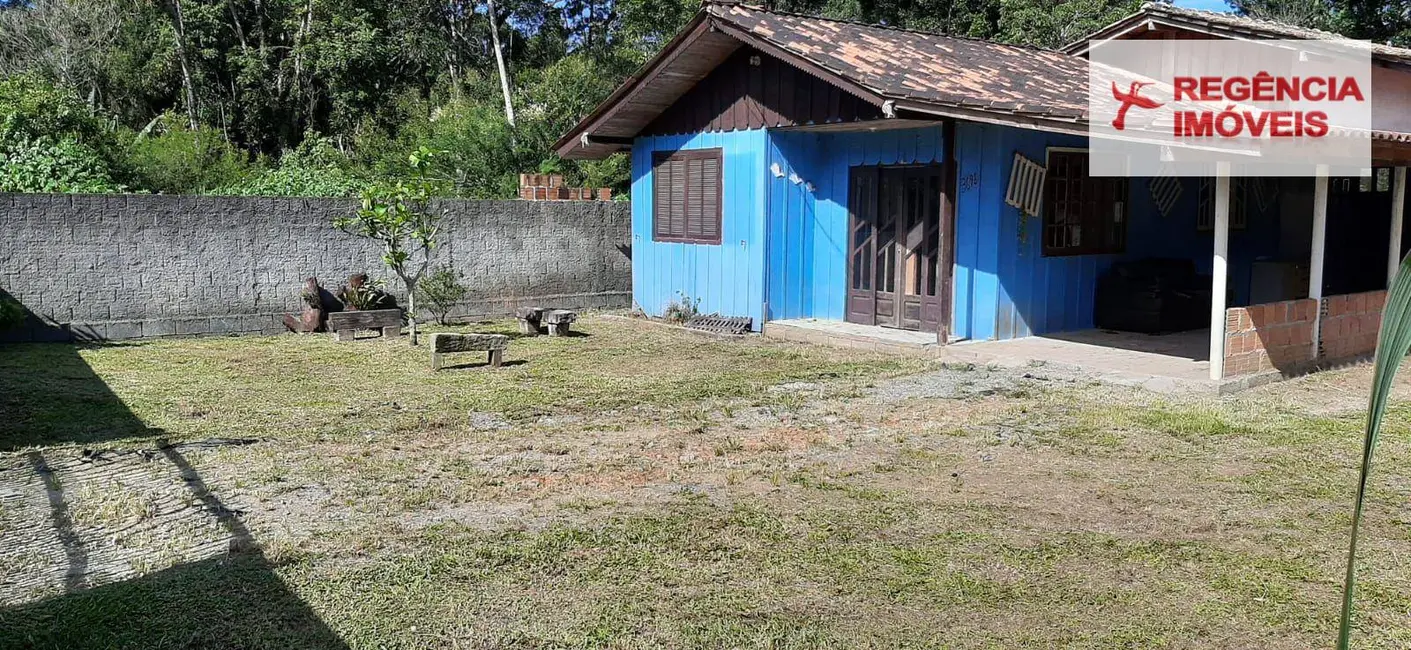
500,61
187,85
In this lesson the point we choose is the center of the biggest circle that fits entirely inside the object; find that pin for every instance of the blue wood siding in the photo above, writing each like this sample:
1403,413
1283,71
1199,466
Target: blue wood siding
785,235
808,211
727,278
1004,286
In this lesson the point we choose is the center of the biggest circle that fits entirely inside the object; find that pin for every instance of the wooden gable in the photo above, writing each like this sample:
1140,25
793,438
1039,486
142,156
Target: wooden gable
752,90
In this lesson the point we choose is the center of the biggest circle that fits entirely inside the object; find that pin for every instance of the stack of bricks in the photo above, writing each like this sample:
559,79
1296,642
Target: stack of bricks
1272,336
550,187
1350,322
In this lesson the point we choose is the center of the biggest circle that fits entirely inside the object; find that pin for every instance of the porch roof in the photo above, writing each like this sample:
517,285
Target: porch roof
1153,15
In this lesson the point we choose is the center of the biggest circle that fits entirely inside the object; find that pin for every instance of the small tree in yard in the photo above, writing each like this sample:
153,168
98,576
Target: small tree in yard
441,291
399,217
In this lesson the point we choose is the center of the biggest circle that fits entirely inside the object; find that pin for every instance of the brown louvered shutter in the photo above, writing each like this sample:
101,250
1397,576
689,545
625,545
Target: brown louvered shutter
686,201
695,177
710,199
661,200
680,181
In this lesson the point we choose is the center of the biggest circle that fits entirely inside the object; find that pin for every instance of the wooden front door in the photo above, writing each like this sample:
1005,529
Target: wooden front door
895,270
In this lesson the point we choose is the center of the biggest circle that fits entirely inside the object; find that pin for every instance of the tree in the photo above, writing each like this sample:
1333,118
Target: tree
500,61
1313,14
399,217
65,40
1048,24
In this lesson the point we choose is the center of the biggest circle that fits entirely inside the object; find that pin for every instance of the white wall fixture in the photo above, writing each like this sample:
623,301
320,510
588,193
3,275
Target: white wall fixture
1026,185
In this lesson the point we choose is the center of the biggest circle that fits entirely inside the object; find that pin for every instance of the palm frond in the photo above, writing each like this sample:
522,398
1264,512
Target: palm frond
1393,342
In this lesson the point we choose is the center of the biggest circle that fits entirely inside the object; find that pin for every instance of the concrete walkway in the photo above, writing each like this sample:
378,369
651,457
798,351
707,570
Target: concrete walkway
1164,363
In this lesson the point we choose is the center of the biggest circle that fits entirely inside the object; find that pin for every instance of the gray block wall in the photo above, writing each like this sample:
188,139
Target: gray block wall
107,267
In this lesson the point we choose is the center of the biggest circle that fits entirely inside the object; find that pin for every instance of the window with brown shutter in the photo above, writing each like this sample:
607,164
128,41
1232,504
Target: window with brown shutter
1083,215
686,196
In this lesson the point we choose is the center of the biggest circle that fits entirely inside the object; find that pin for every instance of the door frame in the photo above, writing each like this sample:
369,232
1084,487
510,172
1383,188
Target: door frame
867,178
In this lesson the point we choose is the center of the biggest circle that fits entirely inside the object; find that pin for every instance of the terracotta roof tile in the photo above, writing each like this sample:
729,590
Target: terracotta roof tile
905,64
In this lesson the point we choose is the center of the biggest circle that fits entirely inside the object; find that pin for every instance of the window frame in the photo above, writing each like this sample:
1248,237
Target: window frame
1047,219
686,155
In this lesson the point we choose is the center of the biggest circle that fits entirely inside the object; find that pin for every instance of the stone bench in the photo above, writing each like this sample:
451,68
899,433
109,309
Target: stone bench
534,320
559,320
529,318
451,343
345,323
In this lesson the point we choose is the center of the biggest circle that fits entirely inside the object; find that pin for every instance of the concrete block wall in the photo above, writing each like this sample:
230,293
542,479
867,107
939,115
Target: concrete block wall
128,266
1272,336
1350,323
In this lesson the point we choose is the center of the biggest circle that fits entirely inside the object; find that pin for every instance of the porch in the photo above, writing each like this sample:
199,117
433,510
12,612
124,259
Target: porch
1177,362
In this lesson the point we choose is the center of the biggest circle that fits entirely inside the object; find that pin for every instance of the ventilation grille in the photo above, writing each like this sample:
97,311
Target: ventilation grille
1165,191
1026,186
716,324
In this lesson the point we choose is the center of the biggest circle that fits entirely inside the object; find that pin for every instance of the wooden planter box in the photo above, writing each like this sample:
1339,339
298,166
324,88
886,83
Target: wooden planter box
345,323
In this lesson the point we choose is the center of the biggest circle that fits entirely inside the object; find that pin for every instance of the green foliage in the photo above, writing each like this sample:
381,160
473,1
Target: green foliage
180,160
46,164
12,313
370,294
1048,24
314,168
49,143
1393,344
682,308
399,217
441,291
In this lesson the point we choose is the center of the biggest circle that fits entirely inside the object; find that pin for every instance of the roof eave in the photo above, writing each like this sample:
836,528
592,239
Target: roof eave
567,145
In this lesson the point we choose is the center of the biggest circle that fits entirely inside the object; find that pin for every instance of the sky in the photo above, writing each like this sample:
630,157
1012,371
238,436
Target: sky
1208,5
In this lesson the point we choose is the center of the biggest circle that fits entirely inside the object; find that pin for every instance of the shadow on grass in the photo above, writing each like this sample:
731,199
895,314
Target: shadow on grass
231,598
468,365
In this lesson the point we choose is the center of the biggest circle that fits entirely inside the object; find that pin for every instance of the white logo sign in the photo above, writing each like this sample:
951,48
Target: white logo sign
1269,108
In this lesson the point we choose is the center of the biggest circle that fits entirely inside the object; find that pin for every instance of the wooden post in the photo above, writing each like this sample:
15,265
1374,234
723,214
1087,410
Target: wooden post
1398,201
946,260
1315,264
1219,269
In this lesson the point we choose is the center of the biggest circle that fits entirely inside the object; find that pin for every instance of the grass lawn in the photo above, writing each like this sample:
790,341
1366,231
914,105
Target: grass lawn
641,487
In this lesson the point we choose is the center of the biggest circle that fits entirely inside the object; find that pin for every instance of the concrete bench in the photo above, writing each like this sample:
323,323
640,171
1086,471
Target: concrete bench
529,318
345,323
450,343
558,321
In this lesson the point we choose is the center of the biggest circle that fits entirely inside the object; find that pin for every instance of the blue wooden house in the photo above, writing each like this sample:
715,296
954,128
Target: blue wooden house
792,167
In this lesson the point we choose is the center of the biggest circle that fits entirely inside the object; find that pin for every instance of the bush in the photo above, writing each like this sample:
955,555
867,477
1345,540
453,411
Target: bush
50,143
12,313
47,164
441,291
179,160
682,309
314,168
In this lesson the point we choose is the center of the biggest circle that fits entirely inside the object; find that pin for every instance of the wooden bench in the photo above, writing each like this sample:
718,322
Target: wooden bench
451,343
345,323
559,320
